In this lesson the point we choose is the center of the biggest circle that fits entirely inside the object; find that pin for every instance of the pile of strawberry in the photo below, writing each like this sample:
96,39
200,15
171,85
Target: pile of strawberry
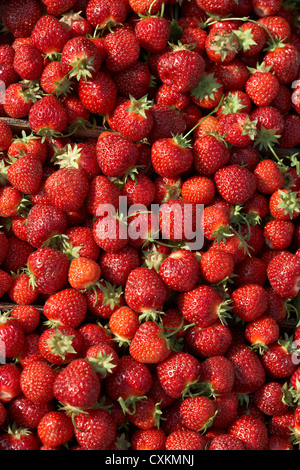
112,341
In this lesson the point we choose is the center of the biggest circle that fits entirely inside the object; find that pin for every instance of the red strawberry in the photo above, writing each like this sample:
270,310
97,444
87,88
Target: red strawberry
18,100
48,270
49,35
77,385
181,68
123,323
180,271
134,80
178,373
147,414
239,129
144,6
19,439
221,46
80,58
226,442
217,376
279,234
263,8
98,94
6,282
66,307
12,336
43,222
217,8
149,345
198,413
95,429
210,340
27,414
21,17
103,358
48,116
133,118
283,274
278,359
167,122
273,399
249,372
28,316
103,14
102,192
84,273
262,86
268,176
202,306
93,334
171,156
28,62
55,8
37,381
130,383
104,299
251,431
122,49
185,440
216,266
6,135
67,188
262,332
81,238
284,204
285,62
55,429
9,382
226,179
216,149
22,292
122,154
145,292
291,133
54,80
60,345
249,302
152,32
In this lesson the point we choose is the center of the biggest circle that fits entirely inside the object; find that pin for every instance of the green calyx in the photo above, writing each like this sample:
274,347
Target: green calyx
139,106
182,141
245,39
224,311
102,363
232,104
31,91
111,293
153,258
290,202
266,139
263,68
150,315
129,404
249,128
224,44
82,68
206,87
62,87
69,158
60,343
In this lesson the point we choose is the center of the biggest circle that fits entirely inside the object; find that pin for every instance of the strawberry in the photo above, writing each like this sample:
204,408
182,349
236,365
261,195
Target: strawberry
149,345
145,292
227,410
221,46
12,336
277,26
180,271
216,149
80,58
291,133
249,372
284,204
198,413
123,323
192,34
103,91
129,384
103,14
84,273
28,316
110,233
37,381
167,96
104,299
134,80
278,443
167,121
94,429
257,35
147,414
278,359
171,65
233,75
25,174
272,399
251,431
285,61
49,35
208,92
22,292
47,270
102,191
216,8
77,113
77,385
93,334
6,135
217,376
55,8
52,221
251,271
202,306
171,156
30,352
60,345
178,373
283,274
281,426
28,62
226,442
279,234
216,266
28,144
215,222
116,43
198,189
268,176
139,189
116,266
19,439
133,118
210,340
143,7
225,180
262,86
262,8
9,382
249,302
6,282
20,17
152,33
122,153
8,74
73,311
185,440
54,80
103,358
55,429
67,181
18,100
148,439
48,116
239,129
